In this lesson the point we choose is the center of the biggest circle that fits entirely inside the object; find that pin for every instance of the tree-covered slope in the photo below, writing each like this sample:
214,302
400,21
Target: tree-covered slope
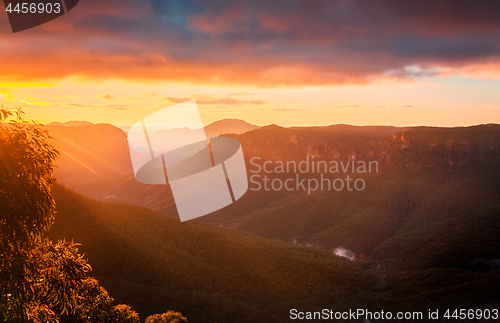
420,219
212,274
209,274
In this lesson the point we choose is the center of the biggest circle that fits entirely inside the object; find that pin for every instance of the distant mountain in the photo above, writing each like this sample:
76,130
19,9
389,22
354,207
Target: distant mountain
71,123
219,127
435,184
269,143
414,147
332,142
164,138
416,164
90,152
434,147
227,126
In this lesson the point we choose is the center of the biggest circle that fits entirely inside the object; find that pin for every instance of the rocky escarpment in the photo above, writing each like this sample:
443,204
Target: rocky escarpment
340,142
90,152
423,147
96,152
413,148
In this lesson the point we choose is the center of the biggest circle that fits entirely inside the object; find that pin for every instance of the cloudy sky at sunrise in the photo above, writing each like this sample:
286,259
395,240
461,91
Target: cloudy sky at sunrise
286,62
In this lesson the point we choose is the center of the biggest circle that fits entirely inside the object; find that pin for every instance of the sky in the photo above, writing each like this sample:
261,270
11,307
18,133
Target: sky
285,62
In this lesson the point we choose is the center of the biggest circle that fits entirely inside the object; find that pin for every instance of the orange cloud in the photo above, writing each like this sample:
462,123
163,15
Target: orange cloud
108,96
238,43
216,100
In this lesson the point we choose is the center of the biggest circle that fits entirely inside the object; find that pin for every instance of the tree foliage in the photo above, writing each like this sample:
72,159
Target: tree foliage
40,280
36,275
95,302
168,317
122,314
26,168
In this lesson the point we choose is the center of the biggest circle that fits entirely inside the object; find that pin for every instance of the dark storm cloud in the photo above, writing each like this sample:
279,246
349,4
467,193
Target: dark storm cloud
260,42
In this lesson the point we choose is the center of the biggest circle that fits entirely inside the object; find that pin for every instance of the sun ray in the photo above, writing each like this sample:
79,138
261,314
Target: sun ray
78,161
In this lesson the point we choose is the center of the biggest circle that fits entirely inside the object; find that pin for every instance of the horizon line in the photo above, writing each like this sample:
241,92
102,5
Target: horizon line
292,126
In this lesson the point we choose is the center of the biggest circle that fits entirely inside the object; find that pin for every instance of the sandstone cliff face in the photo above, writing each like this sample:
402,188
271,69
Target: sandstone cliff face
90,152
423,147
413,148
101,151
323,143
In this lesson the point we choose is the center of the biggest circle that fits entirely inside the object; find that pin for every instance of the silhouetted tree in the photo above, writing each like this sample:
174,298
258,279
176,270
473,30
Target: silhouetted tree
122,314
168,317
40,280
36,275
94,304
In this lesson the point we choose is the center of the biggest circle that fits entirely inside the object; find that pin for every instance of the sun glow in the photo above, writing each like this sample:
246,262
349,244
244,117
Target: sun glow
78,161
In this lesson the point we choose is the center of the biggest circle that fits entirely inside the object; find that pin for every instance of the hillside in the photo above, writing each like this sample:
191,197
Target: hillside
332,142
210,274
226,126
415,220
93,152
424,147
433,204
270,142
223,275
90,152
